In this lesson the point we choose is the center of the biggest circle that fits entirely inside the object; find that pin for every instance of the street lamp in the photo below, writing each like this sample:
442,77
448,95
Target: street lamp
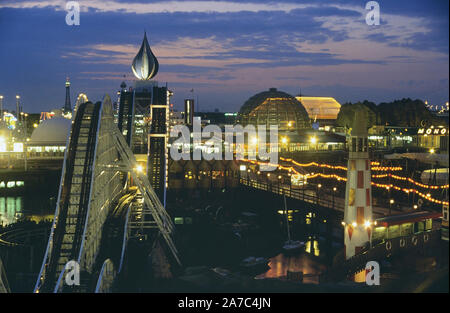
24,119
313,141
139,168
391,202
17,108
317,193
1,108
334,191
284,141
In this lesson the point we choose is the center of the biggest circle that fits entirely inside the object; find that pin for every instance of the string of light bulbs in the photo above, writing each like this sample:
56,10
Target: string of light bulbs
340,178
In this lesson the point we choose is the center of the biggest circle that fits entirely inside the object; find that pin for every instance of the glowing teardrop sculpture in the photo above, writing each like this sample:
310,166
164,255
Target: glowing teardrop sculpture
145,65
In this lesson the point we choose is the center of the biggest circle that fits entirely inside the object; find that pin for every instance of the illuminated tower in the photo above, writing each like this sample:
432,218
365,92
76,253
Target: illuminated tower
358,192
67,104
189,112
157,143
144,116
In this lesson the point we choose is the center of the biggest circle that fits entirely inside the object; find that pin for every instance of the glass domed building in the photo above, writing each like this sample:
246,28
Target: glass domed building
274,107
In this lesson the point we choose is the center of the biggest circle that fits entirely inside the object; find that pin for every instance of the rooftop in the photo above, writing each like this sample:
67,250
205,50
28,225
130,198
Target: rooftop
409,217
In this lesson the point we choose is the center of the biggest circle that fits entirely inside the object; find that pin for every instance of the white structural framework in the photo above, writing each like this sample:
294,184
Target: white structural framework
96,156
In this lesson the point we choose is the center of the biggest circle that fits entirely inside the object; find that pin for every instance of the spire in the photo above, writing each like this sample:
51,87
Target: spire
145,65
67,104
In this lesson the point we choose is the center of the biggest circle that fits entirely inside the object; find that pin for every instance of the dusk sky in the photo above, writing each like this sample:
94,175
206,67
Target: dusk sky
226,50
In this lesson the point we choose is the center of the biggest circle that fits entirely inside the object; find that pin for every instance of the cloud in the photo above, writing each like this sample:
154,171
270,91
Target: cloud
160,6
244,46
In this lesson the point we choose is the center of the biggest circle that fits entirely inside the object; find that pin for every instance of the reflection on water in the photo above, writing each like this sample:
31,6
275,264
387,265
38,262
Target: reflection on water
312,247
10,209
36,207
305,261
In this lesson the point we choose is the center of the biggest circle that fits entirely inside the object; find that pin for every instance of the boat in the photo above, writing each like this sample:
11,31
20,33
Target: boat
291,246
221,271
254,265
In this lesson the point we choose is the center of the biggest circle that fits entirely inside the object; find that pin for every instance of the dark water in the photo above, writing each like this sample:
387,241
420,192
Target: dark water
31,206
207,242
28,194
212,242
304,262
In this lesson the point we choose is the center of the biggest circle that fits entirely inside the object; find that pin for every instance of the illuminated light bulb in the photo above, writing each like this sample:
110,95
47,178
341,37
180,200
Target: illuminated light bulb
354,224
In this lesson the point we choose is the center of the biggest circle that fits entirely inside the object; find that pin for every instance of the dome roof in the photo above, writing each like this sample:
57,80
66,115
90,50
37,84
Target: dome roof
51,132
274,107
259,98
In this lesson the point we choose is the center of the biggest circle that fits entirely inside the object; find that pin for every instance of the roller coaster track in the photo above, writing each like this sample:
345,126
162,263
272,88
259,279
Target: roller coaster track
74,194
96,155
4,287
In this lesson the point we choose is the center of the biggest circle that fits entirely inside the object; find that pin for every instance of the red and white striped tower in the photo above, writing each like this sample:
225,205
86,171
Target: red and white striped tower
358,192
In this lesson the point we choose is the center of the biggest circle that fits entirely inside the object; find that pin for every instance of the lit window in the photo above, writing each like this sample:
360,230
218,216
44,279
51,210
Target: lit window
18,147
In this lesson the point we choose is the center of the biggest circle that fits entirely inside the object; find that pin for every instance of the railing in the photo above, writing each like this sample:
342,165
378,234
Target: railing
299,194
125,239
106,277
387,248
